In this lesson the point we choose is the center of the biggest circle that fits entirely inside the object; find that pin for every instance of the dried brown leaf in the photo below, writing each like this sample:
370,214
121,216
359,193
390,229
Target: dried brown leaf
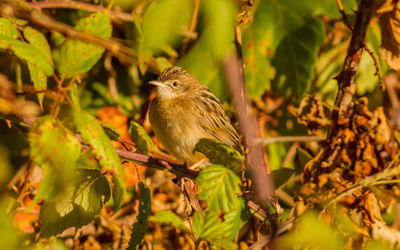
390,33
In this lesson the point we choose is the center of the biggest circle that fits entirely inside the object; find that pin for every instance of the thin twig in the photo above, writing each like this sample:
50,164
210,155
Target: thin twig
346,20
270,140
192,27
375,179
69,4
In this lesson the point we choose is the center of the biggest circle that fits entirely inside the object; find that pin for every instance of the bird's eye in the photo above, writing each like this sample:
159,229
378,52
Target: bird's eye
175,84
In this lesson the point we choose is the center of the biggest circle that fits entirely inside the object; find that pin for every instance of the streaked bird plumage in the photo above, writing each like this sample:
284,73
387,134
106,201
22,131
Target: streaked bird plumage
184,111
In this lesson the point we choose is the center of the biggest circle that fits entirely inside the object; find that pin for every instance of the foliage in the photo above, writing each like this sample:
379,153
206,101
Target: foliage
81,167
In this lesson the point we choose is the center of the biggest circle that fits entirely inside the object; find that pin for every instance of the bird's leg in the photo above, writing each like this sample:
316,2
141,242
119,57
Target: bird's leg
201,164
190,189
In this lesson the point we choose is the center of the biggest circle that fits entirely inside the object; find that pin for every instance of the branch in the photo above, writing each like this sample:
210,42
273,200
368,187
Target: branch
68,4
346,20
178,170
247,125
346,78
266,141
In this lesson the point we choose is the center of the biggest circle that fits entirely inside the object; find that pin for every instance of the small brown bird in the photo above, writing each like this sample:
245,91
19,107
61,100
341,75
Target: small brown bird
184,111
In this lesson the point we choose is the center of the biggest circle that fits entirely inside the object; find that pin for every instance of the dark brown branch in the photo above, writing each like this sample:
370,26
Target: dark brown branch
247,125
346,78
346,20
68,4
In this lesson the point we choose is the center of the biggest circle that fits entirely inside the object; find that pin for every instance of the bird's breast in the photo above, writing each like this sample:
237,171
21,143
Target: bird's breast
174,126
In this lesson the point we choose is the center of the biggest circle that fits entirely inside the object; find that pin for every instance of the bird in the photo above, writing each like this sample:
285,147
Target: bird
185,111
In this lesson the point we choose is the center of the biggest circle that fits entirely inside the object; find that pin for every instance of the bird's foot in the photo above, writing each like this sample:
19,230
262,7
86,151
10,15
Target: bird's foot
203,163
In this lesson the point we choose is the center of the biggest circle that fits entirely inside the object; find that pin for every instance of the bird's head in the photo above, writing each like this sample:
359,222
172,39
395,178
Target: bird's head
175,82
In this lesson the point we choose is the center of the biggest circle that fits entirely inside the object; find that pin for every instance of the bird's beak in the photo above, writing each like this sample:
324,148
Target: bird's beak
157,83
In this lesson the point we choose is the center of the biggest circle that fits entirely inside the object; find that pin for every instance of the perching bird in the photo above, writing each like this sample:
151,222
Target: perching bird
184,111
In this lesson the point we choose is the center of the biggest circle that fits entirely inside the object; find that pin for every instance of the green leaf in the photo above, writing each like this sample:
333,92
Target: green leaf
219,186
289,32
141,224
8,29
93,134
78,57
98,24
220,154
280,176
169,218
111,132
276,153
219,21
377,245
38,76
226,213
311,231
37,72
39,80
162,24
209,226
28,53
258,71
58,162
117,195
9,237
366,78
38,40
295,57
142,140
81,201
216,40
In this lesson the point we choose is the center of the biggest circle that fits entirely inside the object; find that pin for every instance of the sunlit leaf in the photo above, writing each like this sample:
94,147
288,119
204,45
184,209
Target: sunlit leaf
311,231
219,186
9,237
58,162
28,53
38,76
209,226
169,218
163,21
216,40
276,153
38,40
143,142
7,29
78,57
258,70
220,154
226,213
111,132
81,201
93,134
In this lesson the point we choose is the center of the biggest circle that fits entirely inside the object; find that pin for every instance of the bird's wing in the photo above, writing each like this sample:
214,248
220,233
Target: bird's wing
213,121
